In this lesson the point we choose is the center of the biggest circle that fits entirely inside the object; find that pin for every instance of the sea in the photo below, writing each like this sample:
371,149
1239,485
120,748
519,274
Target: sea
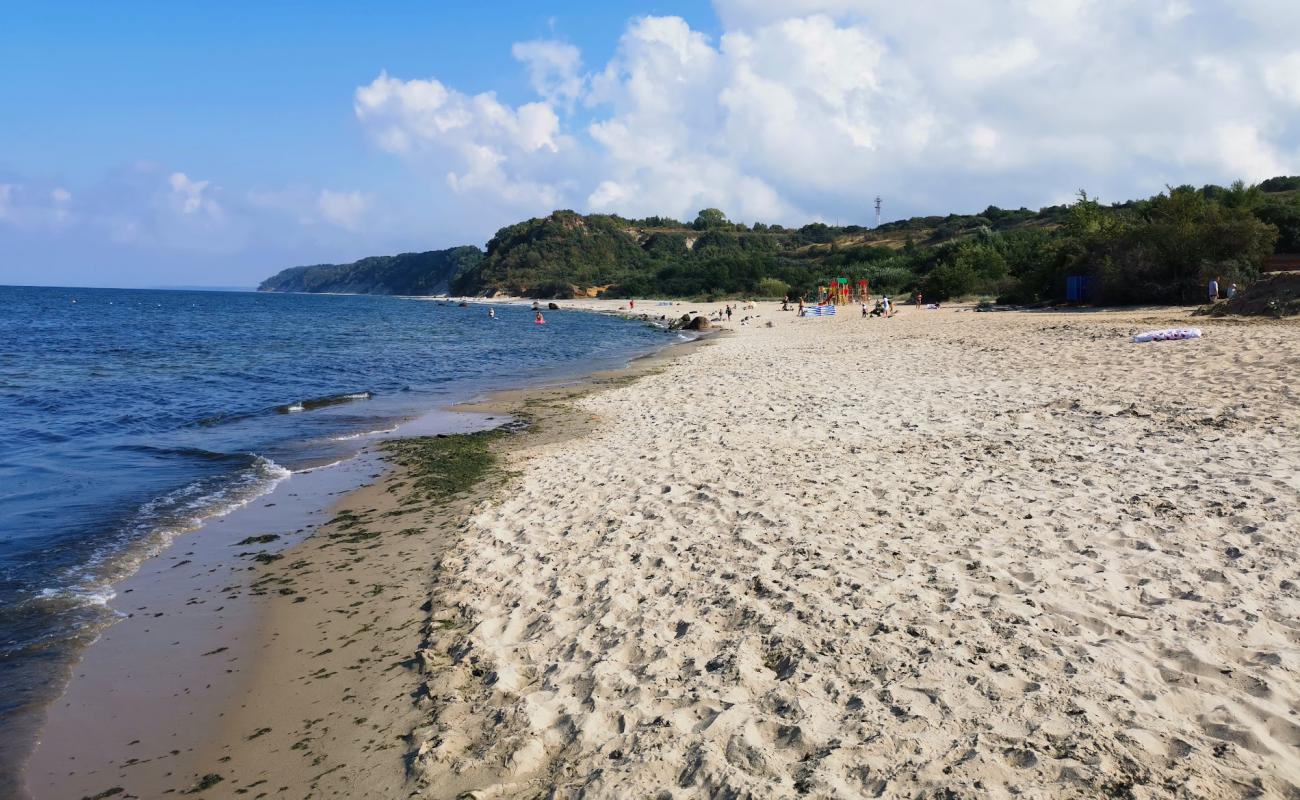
128,417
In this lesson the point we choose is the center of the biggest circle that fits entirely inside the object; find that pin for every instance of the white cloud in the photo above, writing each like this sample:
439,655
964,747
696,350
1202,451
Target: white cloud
553,69
344,209
483,143
1244,151
805,108
142,205
34,208
1283,77
984,141
188,195
1175,11
995,62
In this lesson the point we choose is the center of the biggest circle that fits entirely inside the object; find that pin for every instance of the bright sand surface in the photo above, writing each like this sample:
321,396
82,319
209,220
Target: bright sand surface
1004,553
944,554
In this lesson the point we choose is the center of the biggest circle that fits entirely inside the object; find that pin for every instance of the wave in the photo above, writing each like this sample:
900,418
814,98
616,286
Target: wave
154,526
194,453
77,596
322,402
347,437
286,408
327,465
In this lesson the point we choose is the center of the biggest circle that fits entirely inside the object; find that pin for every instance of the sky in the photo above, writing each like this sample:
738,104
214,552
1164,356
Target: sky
212,144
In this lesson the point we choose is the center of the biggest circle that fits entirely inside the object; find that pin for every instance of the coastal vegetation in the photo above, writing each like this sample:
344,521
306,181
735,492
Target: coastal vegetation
405,274
1158,250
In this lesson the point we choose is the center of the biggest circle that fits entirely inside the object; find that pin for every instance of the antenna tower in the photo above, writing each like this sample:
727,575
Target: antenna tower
877,211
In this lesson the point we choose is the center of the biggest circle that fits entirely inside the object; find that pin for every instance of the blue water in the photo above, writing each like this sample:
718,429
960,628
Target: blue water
127,416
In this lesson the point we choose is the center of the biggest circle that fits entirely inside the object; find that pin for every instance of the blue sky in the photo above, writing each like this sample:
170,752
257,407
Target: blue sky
151,143
254,91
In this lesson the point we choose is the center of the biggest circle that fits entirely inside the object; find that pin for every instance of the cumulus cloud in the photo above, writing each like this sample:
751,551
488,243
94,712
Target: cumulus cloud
482,143
805,108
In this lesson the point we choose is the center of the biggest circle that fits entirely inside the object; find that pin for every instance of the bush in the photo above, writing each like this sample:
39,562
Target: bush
773,287
948,280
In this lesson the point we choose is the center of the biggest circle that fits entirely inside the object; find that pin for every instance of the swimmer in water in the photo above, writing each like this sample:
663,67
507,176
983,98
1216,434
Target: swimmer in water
539,319
492,313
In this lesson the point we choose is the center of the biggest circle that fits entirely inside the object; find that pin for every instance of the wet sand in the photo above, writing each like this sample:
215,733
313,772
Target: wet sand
147,694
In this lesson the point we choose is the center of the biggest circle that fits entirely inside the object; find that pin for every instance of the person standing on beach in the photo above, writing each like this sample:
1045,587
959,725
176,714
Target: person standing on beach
918,301
631,304
1214,289
728,312
1232,291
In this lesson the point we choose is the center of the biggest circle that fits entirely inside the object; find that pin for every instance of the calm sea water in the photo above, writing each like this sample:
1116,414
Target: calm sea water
128,416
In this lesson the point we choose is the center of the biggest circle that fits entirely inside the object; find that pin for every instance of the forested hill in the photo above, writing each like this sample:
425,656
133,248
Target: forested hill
408,274
1160,249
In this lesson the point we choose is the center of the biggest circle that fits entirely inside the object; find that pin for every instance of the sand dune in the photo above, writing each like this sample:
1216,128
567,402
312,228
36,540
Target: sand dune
946,554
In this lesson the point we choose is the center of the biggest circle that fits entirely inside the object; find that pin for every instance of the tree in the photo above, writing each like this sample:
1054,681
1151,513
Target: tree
708,219
950,279
1285,216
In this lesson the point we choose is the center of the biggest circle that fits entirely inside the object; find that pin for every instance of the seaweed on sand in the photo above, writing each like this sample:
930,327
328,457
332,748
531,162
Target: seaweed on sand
442,468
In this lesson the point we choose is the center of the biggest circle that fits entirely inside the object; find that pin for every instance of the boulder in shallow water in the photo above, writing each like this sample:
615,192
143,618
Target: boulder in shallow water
698,324
553,306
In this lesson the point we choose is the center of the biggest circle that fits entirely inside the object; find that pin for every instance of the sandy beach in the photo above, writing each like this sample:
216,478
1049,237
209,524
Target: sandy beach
944,554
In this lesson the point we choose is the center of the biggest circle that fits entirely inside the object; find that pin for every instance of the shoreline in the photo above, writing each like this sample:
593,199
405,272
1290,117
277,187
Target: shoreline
111,687
988,553
352,703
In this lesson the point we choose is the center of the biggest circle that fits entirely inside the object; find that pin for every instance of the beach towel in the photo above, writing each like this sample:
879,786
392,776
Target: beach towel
1169,335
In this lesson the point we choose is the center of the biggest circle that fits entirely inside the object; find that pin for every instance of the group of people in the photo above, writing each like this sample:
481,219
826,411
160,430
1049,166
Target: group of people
884,306
1231,291
537,314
